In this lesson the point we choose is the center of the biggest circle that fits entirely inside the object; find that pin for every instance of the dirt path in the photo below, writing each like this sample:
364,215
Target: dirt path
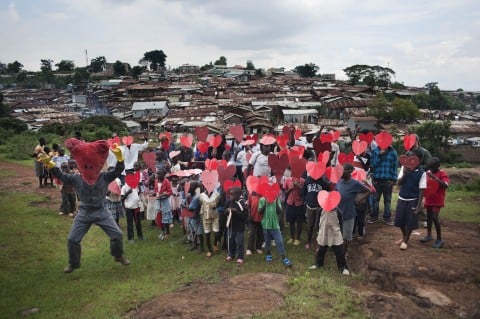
420,282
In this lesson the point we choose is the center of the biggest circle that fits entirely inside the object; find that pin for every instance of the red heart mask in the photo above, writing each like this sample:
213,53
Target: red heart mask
409,141
225,173
203,147
186,140
90,157
432,187
132,180
270,192
127,140
345,158
223,163
114,140
211,164
334,173
335,135
268,139
114,188
230,184
287,130
316,170
358,147
410,162
324,157
278,164
300,149
201,133
209,180
282,141
384,140
367,137
252,184
215,140
326,138
359,174
320,147
237,132
297,166
298,133
149,159
328,200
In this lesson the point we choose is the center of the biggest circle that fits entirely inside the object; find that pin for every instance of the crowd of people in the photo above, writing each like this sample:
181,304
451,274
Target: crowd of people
269,186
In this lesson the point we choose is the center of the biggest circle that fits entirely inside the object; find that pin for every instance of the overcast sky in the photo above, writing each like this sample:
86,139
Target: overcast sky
422,41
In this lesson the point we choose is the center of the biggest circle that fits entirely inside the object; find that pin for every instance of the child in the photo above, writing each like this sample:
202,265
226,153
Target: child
255,231
330,235
131,202
114,199
175,199
164,191
150,197
295,208
435,201
238,214
69,200
210,218
195,222
412,183
271,228
46,174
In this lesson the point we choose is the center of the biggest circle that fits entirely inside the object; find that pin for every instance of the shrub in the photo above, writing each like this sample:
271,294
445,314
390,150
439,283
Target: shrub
21,146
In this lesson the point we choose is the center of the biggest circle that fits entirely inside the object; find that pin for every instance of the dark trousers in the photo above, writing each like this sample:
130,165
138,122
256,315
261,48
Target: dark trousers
69,202
339,255
383,188
255,236
235,244
360,220
313,218
132,217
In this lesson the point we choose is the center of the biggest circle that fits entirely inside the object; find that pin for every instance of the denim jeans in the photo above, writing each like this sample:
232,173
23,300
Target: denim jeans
383,188
235,244
276,235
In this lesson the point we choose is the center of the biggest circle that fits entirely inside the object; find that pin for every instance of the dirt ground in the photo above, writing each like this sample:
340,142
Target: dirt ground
420,282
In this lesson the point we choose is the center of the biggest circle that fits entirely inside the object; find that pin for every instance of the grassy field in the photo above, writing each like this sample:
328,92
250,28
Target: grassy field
33,254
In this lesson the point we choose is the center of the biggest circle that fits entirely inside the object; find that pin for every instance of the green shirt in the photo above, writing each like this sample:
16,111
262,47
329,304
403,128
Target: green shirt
270,217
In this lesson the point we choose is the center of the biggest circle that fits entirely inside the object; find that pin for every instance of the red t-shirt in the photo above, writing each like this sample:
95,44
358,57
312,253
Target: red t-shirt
438,198
253,202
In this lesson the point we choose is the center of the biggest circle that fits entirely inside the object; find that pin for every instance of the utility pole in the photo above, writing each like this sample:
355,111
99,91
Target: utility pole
86,57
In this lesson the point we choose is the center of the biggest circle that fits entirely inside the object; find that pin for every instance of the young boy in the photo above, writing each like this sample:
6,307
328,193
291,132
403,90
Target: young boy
238,212
412,184
434,202
271,228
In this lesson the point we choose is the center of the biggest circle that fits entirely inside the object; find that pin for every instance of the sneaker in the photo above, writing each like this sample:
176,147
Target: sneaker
71,215
124,261
268,258
346,272
209,254
228,259
372,220
273,243
426,239
424,224
399,242
296,242
248,252
239,262
287,262
259,251
161,236
60,213
313,267
438,243
290,241
389,222
403,246
70,268
307,246
360,238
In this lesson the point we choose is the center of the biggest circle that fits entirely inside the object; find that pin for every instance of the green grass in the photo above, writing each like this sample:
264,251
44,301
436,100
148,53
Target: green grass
462,206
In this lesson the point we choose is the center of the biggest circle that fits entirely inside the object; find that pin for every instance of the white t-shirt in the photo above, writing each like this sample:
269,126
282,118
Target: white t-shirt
260,165
130,154
132,201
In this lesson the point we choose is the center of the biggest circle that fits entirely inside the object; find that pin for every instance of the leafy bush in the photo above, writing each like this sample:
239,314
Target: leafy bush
21,146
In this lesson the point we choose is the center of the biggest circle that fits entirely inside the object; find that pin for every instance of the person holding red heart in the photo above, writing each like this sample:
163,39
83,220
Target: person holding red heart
131,202
413,182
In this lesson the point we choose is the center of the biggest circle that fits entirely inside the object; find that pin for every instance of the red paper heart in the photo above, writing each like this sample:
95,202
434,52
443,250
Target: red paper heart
203,147
114,140
299,148
335,135
409,141
237,132
149,159
114,188
324,157
359,147
223,163
90,157
252,184
209,179
186,140
215,140
252,137
345,158
298,166
328,200
367,137
288,130
230,184
320,147
298,133
432,187
127,140
326,138
334,173
384,140
226,173
201,133
268,139
282,141
173,154
410,162
132,180
316,170
359,174
211,163
278,164
270,192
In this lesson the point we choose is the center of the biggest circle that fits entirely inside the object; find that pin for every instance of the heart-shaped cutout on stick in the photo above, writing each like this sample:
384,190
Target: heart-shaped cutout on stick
201,132
114,188
278,164
173,154
282,141
326,138
358,147
113,142
237,132
320,147
334,173
411,162
214,140
127,140
316,170
335,135
270,192
203,147
132,180
298,133
186,140
288,130
409,141
384,140
225,173
209,180
149,159
324,157
367,137
211,163
359,174
298,165
229,184
267,139
345,158
328,200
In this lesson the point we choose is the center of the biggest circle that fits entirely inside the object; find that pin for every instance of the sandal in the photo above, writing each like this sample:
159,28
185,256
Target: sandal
269,258
287,262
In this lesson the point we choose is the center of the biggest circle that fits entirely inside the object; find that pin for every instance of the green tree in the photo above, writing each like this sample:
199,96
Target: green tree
65,66
404,111
378,107
14,67
119,68
422,100
137,71
308,70
46,65
207,66
260,72
369,75
221,61
98,64
4,108
397,86
155,59
434,137
250,65
80,75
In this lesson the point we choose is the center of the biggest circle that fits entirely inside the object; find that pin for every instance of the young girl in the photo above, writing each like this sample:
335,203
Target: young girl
164,191
114,199
150,196
175,199
238,214
209,216
295,208
255,230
